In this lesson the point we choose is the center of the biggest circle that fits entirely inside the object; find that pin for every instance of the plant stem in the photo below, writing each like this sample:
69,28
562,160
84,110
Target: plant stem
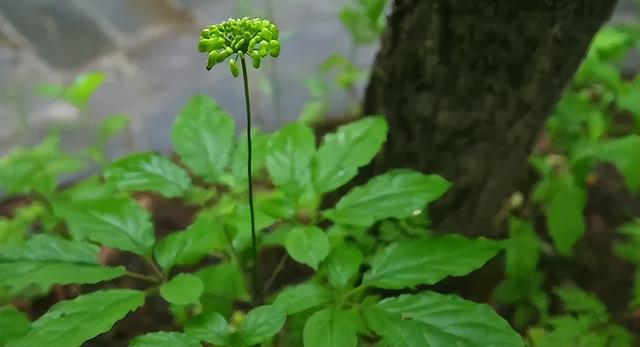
161,276
141,276
275,274
256,298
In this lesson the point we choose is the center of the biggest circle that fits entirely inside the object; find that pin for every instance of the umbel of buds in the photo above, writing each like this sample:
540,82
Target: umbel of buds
236,37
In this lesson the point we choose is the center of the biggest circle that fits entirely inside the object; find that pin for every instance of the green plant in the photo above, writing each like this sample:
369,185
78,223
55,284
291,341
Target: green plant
256,38
585,323
338,306
365,22
365,290
77,93
597,121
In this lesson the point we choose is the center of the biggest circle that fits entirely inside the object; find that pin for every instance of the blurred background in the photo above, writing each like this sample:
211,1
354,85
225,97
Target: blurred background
147,51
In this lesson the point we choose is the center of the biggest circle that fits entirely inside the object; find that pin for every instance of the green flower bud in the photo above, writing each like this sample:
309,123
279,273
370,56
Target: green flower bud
213,60
257,38
233,65
224,54
274,48
239,44
263,51
256,60
266,34
203,46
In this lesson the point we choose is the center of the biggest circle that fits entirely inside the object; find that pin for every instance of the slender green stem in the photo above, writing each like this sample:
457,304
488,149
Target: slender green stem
254,244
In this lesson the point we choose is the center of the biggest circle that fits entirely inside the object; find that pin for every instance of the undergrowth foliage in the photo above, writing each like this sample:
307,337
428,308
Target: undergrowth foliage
375,240
370,261
339,305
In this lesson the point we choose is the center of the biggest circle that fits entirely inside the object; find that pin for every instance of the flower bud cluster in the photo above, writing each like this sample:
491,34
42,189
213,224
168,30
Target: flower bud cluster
255,37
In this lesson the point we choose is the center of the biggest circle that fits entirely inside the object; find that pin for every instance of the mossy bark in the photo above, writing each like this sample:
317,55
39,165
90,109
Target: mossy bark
466,87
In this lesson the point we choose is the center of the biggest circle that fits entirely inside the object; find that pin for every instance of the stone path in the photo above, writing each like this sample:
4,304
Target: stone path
147,48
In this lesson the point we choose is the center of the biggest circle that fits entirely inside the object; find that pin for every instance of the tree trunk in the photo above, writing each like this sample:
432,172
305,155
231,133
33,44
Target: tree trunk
466,87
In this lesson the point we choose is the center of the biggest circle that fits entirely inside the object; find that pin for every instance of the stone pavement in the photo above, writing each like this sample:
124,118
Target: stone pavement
148,50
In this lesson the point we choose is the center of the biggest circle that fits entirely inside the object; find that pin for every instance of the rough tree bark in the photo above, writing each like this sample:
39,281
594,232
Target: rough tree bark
466,87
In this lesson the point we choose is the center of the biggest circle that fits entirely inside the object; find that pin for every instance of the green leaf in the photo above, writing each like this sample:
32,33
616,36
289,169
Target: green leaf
115,222
203,137
565,213
148,172
624,153
302,297
165,339
308,245
70,323
234,287
183,289
578,301
349,148
14,324
239,220
330,327
408,264
209,327
37,169
431,319
187,247
46,260
289,158
343,264
522,249
397,194
261,324
83,87
113,125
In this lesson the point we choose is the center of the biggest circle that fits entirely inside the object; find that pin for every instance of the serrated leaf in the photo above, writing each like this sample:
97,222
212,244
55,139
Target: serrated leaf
289,158
397,194
70,323
342,264
115,222
148,172
183,289
522,249
624,153
308,245
13,324
432,319
203,137
343,152
410,263
187,247
46,260
330,327
165,339
261,324
209,327
300,298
